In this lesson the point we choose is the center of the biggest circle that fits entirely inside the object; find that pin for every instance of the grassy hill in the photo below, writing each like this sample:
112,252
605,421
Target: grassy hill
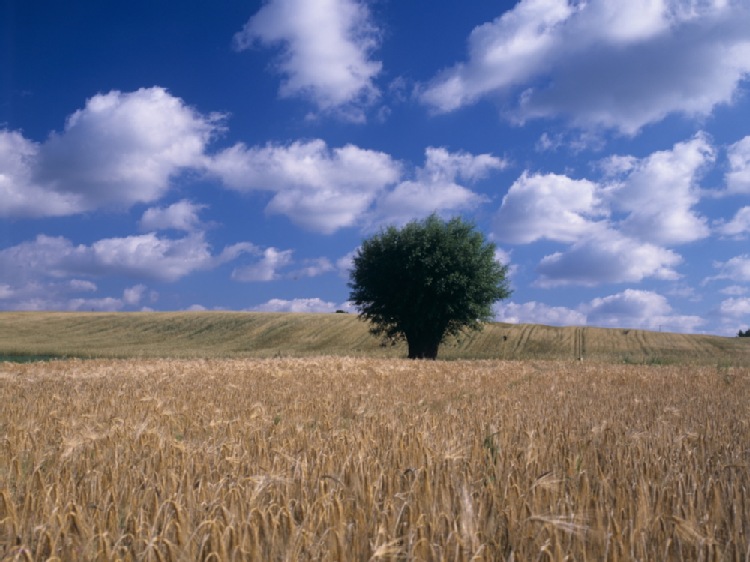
242,334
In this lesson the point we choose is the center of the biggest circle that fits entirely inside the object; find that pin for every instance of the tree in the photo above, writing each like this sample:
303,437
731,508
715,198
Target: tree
424,282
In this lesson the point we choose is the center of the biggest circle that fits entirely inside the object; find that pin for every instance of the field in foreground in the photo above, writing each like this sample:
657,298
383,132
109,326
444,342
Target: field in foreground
242,334
371,459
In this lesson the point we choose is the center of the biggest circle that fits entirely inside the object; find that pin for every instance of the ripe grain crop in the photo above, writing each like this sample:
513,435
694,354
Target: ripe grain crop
373,459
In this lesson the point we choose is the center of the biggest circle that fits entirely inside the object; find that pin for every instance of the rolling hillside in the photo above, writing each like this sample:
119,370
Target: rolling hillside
241,334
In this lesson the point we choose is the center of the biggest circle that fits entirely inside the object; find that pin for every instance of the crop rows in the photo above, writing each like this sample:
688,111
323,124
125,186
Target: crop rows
364,459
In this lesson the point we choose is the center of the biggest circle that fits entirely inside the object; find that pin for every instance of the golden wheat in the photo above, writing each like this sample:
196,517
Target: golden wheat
364,459
242,335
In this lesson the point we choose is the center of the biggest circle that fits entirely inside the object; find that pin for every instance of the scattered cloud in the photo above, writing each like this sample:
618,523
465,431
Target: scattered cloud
734,290
146,256
736,269
313,268
738,176
638,309
267,269
318,188
55,295
538,313
659,193
548,206
607,257
617,65
297,305
738,227
182,215
628,309
435,188
326,51
119,150
618,229
735,308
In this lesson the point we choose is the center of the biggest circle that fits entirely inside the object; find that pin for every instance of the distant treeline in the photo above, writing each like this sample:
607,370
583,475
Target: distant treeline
745,334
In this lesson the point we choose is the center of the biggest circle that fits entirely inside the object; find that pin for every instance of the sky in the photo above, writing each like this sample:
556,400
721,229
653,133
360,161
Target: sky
232,155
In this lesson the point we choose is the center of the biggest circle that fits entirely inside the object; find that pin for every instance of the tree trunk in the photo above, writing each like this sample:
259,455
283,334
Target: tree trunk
419,349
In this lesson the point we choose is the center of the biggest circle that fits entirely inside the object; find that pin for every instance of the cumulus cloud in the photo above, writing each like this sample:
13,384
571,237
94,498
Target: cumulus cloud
738,176
548,206
607,257
57,295
146,256
267,268
318,188
326,51
538,313
345,263
735,269
20,195
607,64
119,150
628,309
435,187
313,268
297,305
638,309
738,227
182,215
619,228
660,191
735,308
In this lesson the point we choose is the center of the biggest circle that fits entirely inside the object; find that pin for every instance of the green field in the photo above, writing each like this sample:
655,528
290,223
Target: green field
43,335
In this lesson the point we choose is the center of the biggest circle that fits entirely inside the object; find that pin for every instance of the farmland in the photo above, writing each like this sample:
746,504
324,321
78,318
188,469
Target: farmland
342,458
243,335
235,436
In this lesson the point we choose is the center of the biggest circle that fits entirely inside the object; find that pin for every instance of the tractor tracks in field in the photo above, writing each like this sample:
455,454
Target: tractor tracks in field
579,344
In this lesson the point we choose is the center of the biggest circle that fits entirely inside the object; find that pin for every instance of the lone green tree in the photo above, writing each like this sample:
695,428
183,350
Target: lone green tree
426,281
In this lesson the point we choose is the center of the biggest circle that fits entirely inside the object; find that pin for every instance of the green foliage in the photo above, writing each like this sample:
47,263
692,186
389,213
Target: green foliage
745,334
425,281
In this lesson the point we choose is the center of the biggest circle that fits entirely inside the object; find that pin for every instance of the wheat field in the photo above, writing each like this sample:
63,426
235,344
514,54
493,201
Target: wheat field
373,459
240,335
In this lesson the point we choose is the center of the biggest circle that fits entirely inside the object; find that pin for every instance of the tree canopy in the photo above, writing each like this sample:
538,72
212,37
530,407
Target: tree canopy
426,281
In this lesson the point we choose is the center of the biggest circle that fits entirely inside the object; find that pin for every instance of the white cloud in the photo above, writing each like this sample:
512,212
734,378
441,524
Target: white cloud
538,313
318,188
735,308
326,48
738,227
548,206
182,215
411,200
600,63
660,192
145,256
738,176
345,263
443,166
638,309
506,52
607,257
56,295
133,295
120,149
19,194
734,290
735,269
267,269
435,187
297,305
313,268
618,231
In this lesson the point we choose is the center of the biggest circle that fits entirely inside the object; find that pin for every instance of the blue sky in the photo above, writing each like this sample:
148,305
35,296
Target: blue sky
233,155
